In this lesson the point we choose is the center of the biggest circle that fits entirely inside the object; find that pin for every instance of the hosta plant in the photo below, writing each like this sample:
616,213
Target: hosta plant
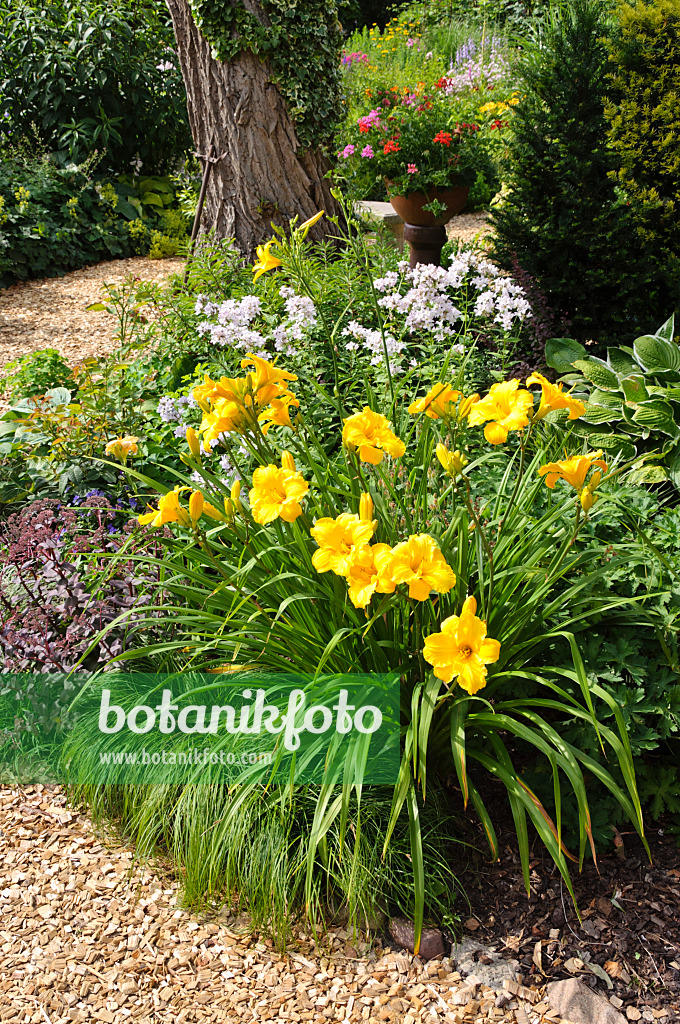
632,398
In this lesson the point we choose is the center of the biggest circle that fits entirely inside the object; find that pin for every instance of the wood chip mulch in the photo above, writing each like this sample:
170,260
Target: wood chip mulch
52,312
87,934
627,943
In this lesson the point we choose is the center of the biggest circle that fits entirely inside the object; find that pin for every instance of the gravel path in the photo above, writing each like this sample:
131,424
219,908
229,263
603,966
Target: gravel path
52,313
88,935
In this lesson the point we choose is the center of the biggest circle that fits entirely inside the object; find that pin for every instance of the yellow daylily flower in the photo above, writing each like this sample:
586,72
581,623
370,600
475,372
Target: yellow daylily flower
552,397
304,228
277,414
169,510
265,260
276,494
268,381
462,649
574,471
419,563
437,403
453,462
368,573
371,433
121,447
226,418
338,540
507,407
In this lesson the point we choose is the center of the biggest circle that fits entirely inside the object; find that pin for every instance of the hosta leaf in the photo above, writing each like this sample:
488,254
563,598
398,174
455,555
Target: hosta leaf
649,475
674,467
609,399
667,330
634,388
619,361
597,373
601,414
657,353
657,415
612,443
560,353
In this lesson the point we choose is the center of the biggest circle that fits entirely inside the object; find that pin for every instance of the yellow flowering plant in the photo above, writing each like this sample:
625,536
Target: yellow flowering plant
394,552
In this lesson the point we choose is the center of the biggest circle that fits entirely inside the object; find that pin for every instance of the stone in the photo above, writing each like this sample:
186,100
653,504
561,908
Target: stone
491,974
383,213
403,933
580,1004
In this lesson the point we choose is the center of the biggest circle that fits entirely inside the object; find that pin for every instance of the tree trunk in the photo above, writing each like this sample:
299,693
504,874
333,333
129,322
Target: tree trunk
263,176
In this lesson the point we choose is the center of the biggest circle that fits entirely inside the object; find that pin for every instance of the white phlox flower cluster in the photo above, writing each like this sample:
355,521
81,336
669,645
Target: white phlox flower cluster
228,323
372,341
429,302
232,328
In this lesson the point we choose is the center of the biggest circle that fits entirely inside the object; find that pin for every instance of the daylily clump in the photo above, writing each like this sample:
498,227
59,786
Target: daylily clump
351,544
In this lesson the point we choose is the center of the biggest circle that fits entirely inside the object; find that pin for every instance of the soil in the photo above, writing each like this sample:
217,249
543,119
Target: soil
630,927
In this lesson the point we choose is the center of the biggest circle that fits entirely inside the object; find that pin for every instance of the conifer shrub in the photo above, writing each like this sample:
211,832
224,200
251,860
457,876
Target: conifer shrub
643,115
564,218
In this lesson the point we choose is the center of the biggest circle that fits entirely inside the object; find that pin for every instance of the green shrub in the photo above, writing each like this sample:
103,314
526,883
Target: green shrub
563,217
76,75
56,219
644,126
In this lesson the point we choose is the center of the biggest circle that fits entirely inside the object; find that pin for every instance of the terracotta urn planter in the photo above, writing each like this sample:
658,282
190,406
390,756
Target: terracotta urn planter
424,232
410,207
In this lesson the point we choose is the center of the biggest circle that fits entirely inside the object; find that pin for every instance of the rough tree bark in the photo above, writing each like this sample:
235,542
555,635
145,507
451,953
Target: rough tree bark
264,176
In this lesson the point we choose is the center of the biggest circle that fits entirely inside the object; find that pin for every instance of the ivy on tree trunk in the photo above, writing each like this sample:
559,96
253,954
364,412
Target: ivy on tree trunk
269,173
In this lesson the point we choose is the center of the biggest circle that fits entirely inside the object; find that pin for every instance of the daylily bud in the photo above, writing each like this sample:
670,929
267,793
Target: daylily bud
287,461
304,228
196,502
214,513
235,492
229,508
453,462
588,499
366,507
193,442
465,406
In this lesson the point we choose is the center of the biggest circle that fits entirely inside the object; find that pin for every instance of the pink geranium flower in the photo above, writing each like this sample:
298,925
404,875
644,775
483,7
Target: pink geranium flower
367,152
411,169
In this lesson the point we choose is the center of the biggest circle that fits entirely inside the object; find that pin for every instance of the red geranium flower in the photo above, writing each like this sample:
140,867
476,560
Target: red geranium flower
446,138
391,146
